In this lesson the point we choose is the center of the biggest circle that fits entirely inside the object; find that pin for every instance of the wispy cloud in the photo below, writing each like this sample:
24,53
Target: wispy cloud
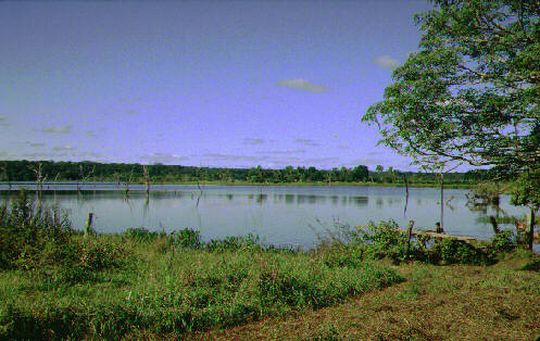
302,84
254,141
165,158
57,130
320,160
282,152
386,62
90,133
35,144
3,121
65,148
307,142
233,157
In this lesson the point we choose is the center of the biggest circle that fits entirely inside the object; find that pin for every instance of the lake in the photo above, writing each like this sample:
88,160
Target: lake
279,215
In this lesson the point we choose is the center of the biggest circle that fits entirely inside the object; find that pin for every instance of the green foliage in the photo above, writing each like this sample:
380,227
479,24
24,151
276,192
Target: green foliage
140,234
387,240
171,294
451,251
533,265
504,241
526,191
384,239
27,229
470,94
248,242
71,171
185,239
84,258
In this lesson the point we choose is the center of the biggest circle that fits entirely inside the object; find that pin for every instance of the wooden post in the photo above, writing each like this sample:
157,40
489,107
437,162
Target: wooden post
494,224
438,228
530,231
409,236
88,225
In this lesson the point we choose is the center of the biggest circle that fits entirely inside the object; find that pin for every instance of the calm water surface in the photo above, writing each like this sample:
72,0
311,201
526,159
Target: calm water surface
280,215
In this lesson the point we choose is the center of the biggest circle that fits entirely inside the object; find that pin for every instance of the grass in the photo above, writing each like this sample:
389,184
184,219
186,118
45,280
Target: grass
453,302
162,289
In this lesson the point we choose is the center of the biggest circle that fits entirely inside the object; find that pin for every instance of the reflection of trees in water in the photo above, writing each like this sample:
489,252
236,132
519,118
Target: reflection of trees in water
289,198
261,198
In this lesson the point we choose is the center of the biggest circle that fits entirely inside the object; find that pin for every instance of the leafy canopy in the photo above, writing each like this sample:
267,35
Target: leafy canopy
471,92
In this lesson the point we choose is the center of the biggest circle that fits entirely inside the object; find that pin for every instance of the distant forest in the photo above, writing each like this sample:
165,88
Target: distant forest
137,173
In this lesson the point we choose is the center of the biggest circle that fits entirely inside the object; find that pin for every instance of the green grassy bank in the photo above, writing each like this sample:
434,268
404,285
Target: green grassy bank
59,283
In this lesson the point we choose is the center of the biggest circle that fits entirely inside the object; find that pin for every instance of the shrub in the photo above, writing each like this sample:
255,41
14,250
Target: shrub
504,241
248,242
140,234
185,239
385,239
453,251
27,229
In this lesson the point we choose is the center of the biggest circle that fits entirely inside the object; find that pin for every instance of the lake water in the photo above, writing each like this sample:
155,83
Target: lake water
280,215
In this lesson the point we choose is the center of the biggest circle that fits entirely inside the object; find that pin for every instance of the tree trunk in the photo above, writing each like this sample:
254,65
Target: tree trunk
442,201
88,225
530,231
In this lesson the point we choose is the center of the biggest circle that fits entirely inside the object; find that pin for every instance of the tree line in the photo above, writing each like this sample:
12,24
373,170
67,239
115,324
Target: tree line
123,172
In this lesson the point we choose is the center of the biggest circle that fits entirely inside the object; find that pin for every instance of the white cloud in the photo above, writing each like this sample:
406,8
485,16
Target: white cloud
307,142
232,157
302,84
165,158
64,148
282,152
386,62
254,141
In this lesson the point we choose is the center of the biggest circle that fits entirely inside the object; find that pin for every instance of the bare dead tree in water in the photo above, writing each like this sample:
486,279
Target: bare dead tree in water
199,174
406,181
84,176
40,178
128,181
147,179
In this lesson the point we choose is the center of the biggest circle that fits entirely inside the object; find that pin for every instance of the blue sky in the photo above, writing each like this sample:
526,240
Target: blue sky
217,83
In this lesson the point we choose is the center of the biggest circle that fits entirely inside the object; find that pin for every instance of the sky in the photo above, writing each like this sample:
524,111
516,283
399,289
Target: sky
216,83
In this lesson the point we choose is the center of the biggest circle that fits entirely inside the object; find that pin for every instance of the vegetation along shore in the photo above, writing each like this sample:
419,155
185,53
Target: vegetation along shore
56,282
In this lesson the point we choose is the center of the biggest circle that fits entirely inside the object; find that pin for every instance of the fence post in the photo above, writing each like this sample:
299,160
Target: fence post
88,225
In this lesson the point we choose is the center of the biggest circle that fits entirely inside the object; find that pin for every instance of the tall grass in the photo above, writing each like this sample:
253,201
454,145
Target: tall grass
57,283
139,282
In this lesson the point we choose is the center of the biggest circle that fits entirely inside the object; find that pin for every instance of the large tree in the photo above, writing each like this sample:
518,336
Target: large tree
471,92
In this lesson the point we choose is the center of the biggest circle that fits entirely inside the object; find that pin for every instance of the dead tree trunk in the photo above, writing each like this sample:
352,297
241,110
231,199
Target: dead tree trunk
88,226
530,230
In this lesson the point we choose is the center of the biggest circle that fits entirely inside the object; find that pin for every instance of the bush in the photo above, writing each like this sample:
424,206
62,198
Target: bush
85,257
452,251
248,242
504,241
185,239
27,229
385,239
140,234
